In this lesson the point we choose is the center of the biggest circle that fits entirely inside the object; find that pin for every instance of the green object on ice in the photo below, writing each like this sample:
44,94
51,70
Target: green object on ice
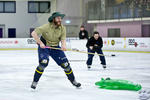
117,84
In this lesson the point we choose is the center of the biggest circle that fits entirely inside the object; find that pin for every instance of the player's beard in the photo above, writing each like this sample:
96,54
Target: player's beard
57,23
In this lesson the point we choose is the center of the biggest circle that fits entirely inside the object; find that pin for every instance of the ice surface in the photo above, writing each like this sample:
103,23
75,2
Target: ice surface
17,69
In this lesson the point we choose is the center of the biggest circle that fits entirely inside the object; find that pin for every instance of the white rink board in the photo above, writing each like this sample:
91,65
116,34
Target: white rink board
124,44
18,43
129,44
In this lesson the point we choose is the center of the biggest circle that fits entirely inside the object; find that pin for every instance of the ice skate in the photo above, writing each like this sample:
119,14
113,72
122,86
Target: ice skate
104,66
33,85
88,66
74,83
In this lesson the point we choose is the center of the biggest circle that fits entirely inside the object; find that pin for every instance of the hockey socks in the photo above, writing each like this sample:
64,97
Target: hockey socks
38,72
71,77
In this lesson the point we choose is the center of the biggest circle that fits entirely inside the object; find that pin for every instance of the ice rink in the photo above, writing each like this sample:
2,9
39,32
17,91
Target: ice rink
18,66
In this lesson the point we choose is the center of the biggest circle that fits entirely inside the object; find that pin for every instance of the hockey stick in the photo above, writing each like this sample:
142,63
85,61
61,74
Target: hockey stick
76,50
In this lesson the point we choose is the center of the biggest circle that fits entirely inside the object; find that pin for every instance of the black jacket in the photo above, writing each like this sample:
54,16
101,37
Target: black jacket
93,42
83,34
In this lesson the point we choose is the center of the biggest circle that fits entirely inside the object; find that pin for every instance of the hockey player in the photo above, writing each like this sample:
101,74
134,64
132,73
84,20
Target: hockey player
51,34
94,44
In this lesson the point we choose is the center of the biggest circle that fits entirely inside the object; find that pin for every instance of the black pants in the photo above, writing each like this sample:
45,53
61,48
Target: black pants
90,57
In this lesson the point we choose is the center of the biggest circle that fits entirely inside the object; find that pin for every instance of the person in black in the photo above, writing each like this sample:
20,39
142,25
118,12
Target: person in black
95,44
83,34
